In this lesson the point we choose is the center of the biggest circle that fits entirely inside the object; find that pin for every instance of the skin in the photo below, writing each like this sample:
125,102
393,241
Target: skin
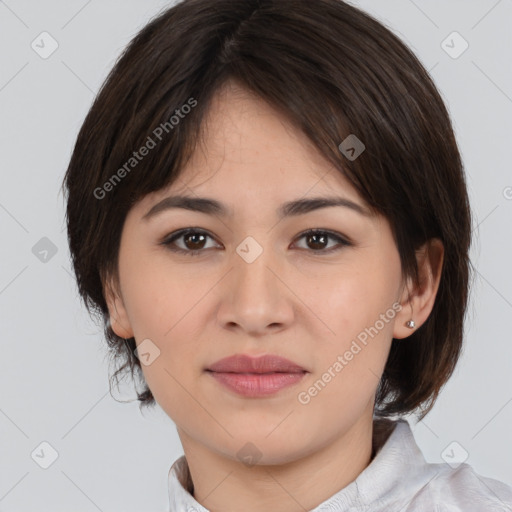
293,300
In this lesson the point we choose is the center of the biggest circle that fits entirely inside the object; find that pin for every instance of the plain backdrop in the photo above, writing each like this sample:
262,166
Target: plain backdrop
53,365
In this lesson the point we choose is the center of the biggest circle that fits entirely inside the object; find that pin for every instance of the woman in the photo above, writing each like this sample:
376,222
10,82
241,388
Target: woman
267,207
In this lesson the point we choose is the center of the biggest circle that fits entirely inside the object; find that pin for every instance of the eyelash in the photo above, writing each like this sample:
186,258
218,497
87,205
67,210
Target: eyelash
169,240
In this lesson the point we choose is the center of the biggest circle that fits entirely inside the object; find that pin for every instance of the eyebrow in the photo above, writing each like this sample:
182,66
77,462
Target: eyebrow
288,209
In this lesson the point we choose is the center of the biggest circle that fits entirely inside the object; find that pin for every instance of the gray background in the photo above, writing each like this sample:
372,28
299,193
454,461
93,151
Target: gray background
53,367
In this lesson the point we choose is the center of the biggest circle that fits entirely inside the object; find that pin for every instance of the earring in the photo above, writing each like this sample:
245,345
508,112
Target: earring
410,323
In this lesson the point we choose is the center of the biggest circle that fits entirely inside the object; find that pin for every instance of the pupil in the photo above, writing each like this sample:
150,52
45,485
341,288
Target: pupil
192,236
321,243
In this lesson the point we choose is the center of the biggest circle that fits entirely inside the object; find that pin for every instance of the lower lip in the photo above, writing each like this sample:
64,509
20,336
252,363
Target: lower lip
257,384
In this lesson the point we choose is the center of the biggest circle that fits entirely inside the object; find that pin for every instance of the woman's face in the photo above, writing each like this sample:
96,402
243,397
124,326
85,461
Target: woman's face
258,286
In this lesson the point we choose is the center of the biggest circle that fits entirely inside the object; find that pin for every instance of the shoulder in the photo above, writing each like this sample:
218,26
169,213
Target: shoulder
464,490
399,478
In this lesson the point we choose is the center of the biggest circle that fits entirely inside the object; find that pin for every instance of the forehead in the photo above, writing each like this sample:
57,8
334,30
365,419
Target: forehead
250,159
246,142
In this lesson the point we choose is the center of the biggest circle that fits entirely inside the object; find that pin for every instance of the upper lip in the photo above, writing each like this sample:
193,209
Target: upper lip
242,363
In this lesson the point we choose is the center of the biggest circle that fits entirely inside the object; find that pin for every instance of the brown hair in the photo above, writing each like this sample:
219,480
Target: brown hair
333,70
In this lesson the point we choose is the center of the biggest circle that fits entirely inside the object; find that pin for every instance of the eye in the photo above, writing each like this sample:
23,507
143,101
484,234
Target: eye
194,241
318,239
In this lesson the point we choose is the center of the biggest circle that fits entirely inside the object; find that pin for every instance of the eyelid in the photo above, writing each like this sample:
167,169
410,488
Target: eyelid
342,240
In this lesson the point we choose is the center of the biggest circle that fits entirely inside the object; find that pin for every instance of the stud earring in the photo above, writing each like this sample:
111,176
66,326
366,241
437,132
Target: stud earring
410,323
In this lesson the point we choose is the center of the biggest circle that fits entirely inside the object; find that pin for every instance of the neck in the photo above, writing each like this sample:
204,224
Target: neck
223,484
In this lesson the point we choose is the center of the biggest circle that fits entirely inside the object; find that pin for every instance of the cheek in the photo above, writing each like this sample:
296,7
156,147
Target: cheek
163,306
173,375
152,291
356,306
351,301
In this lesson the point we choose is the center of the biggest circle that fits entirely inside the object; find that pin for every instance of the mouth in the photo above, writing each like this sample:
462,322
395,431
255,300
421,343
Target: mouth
256,376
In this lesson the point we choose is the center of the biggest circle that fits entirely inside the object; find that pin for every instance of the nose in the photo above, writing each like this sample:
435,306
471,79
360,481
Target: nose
256,297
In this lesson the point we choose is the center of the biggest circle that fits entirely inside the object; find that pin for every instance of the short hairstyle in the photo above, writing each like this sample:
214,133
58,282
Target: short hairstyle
332,70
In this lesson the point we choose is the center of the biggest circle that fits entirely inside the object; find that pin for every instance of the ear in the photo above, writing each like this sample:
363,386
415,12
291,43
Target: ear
118,316
418,300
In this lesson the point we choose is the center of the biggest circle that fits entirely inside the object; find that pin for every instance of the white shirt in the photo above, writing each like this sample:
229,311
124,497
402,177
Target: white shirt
398,479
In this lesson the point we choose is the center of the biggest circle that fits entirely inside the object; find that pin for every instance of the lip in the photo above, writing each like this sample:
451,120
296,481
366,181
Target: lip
268,363
256,376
